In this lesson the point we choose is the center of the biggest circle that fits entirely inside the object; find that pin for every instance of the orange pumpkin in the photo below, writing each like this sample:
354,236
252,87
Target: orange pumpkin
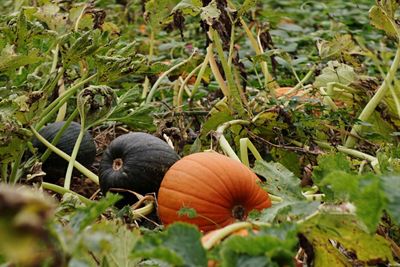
221,190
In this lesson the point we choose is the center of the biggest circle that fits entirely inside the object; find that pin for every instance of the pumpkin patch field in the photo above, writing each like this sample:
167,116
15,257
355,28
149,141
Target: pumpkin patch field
199,133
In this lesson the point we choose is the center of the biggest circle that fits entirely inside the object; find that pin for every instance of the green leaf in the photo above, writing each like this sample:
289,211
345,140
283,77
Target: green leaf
274,246
95,102
289,159
335,48
391,185
54,19
12,62
84,216
157,13
178,245
288,211
335,72
219,115
138,118
349,233
189,7
187,212
77,46
328,163
22,32
279,180
246,6
121,243
364,191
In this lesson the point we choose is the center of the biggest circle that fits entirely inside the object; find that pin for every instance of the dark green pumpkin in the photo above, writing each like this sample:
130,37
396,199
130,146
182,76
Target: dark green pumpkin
55,166
137,162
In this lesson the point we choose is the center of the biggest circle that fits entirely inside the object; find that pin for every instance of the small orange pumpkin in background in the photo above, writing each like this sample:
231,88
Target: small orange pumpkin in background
221,190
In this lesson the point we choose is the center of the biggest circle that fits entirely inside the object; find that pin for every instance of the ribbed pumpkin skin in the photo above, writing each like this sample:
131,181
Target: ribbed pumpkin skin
145,159
55,166
213,185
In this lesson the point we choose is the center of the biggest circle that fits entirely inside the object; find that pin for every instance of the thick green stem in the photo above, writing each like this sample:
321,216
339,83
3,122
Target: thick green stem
351,152
226,147
328,100
65,156
47,153
4,173
62,191
375,100
182,87
61,99
165,74
15,168
142,212
74,154
204,65
348,151
55,59
220,234
245,145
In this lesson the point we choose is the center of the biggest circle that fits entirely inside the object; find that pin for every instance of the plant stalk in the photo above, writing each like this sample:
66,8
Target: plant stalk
74,154
165,74
234,98
375,100
62,191
226,147
65,156
264,66
49,111
220,234
56,138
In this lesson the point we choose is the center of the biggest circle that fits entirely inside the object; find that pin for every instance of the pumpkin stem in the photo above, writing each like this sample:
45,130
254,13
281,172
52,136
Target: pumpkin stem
239,212
117,164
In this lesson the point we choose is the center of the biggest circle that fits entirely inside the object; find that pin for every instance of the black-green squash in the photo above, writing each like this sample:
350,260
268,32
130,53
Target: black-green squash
55,166
137,162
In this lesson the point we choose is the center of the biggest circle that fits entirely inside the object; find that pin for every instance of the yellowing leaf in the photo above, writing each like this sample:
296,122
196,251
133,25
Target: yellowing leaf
210,13
381,20
324,230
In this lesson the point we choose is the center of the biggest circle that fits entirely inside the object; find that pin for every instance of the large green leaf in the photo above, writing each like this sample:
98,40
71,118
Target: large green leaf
273,246
13,61
328,163
84,216
279,180
364,191
335,72
178,245
288,211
